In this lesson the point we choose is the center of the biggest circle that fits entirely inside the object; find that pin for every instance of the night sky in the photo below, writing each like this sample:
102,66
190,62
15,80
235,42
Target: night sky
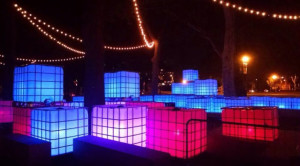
273,44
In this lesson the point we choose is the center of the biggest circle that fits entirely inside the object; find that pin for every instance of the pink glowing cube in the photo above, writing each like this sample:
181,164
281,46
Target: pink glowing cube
171,130
265,116
21,120
250,132
6,112
125,124
148,104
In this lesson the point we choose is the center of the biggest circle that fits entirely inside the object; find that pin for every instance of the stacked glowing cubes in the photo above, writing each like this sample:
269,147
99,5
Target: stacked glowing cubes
217,103
260,101
296,103
147,98
207,87
181,100
6,112
258,123
199,102
147,104
74,104
125,124
36,83
190,75
165,98
167,131
122,84
59,126
183,88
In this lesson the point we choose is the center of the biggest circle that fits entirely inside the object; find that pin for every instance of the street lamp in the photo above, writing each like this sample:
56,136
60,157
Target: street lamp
274,77
245,60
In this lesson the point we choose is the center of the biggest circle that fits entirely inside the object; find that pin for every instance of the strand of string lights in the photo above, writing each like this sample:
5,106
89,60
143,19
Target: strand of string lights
49,60
37,22
2,63
251,11
1,56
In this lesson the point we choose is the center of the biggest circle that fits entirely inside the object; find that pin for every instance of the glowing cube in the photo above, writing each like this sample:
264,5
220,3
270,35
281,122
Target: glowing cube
75,104
181,100
167,131
260,101
296,103
238,102
22,120
264,116
207,87
164,98
59,126
6,112
78,98
217,103
147,104
183,88
36,83
201,103
250,132
125,124
146,98
122,84
190,75
282,103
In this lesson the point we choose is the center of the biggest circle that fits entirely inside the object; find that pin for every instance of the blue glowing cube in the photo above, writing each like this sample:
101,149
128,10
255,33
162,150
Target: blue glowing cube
207,87
75,104
190,75
78,98
59,126
261,101
164,98
199,102
146,98
217,103
282,103
181,100
238,102
296,103
183,88
36,83
122,84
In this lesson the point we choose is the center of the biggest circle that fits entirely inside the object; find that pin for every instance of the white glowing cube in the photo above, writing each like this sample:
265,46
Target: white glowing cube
125,124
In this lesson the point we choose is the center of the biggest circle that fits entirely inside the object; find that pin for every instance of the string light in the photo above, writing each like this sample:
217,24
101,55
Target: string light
140,24
256,12
37,22
1,56
2,64
49,60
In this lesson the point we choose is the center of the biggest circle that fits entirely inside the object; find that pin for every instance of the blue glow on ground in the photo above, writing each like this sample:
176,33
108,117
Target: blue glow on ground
36,83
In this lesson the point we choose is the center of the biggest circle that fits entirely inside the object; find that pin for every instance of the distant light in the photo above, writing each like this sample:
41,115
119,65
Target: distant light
184,81
245,59
274,77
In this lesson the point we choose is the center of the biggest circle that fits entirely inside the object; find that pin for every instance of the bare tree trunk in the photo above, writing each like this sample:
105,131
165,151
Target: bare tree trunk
155,69
229,52
94,59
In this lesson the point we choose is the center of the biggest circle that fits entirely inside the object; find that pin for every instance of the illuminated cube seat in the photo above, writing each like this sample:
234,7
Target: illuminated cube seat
167,131
207,87
78,98
6,112
125,124
264,116
147,104
260,101
190,75
74,104
199,102
282,103
147,98
59,125
181,100
238,102
217,103
183,88
22,118
250,132
121,84
164,98
36,83
296,103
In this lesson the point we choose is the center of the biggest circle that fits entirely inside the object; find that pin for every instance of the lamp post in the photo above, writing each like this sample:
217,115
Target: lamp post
245,61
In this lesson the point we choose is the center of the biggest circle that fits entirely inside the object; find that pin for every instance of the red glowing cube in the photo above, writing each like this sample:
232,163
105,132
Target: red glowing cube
264,116
6,112
22,122
168,131
250,132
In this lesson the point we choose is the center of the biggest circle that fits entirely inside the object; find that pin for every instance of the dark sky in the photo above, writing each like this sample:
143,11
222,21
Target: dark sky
274,44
